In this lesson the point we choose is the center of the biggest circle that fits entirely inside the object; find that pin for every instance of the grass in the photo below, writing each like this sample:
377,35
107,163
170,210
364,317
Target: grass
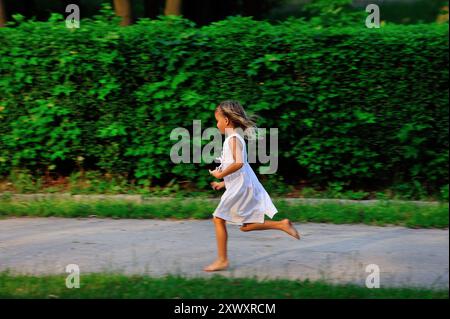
110,285
380,214
23,181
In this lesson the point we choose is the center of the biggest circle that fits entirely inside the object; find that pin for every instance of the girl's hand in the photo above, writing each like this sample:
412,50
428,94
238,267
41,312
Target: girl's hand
216,185
216,173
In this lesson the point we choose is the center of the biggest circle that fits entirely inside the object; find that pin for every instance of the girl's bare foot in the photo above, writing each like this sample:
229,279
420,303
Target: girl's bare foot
289,228
217,265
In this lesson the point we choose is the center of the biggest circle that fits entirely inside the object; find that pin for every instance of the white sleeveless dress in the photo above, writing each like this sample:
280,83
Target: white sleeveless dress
245,200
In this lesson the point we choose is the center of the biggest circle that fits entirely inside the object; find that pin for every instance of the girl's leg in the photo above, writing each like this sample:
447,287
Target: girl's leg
284,225
221,237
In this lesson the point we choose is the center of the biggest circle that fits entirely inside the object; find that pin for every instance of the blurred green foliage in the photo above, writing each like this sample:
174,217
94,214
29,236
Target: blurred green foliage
205,11
363,108
336,13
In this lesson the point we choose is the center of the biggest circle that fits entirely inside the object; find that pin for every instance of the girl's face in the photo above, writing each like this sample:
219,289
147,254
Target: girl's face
222,121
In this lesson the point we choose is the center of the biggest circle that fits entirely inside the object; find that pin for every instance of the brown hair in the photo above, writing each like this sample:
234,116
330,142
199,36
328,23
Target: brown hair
234,111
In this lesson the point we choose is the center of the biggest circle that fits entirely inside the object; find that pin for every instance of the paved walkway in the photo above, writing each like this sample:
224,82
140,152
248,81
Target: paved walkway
336,253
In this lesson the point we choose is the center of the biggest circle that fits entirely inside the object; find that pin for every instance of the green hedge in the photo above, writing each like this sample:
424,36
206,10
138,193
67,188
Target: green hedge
358,106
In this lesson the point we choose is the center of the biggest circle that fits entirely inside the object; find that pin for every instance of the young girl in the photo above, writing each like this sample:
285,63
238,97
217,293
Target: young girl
245,201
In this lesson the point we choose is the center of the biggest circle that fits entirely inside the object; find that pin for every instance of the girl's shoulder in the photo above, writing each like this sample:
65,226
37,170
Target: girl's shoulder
234,134
239,137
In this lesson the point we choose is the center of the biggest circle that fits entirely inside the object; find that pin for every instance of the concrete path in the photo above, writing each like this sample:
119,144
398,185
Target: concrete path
336,253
